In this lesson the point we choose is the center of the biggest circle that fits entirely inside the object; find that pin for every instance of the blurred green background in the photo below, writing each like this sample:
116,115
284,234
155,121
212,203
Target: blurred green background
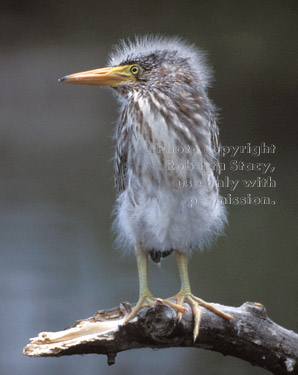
57,258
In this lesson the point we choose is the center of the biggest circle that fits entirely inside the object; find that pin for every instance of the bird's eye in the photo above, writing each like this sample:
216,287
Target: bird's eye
135,69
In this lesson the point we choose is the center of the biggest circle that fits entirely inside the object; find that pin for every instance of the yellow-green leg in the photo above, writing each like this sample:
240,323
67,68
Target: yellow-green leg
145,296
185,295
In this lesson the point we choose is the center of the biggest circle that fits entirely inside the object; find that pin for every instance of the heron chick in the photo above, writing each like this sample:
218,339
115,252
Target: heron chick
166,160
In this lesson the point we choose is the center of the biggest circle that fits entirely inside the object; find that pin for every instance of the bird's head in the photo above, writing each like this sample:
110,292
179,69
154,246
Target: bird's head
147,64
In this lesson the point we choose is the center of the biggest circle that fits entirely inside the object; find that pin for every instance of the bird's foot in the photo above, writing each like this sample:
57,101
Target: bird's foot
195,304
147,299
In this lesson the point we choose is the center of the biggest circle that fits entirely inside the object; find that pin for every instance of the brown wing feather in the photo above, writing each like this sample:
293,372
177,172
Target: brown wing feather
121,154
215,145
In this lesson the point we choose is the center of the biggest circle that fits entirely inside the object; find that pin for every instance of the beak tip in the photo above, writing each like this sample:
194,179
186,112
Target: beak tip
62,79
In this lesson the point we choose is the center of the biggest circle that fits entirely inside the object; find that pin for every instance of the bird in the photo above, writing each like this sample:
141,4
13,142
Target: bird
166,159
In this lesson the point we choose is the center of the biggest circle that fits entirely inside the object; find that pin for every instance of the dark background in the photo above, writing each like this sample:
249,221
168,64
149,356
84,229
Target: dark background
57,258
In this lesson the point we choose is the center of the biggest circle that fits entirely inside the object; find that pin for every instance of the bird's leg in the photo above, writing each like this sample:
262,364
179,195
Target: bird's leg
185,295
145,296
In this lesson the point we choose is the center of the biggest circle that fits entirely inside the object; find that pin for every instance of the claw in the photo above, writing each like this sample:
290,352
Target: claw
144,300
180,300
197,313
195,304
181,309
179,316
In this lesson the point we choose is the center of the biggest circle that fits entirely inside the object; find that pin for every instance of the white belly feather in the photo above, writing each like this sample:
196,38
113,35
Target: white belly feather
174,202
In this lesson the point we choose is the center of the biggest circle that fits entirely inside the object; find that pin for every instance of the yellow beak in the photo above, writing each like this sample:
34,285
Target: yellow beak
110,76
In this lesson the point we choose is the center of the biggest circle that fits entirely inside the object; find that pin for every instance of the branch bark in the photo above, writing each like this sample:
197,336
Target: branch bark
252,336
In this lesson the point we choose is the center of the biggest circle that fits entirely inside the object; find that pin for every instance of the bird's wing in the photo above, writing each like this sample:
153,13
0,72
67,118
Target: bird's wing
120,162
214,130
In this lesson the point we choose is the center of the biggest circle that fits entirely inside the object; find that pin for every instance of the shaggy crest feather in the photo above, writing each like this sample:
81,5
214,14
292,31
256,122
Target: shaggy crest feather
127,50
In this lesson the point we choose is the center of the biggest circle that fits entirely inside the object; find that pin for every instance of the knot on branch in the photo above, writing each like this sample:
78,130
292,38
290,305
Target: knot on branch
255,308
158,322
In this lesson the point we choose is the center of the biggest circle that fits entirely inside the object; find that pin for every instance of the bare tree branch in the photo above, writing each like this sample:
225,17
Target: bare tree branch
252,336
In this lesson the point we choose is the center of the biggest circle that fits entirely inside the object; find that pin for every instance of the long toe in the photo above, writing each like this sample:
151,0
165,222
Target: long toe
212,308
197,315
149,300
144,300
195,303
